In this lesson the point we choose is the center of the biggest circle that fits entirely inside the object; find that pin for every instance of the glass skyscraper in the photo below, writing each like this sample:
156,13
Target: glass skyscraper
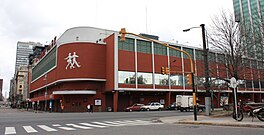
250,13
23,51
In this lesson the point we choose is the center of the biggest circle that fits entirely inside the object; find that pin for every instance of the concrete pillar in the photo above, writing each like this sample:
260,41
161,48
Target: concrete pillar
115,102
218,99
168,99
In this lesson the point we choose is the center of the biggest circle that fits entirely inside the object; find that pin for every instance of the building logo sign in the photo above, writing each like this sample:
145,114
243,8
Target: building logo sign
72,61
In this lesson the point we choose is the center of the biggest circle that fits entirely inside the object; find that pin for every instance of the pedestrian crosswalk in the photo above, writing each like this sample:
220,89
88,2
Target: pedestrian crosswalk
76,126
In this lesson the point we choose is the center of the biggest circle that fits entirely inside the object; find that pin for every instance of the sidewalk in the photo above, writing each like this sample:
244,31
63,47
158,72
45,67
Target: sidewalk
211,120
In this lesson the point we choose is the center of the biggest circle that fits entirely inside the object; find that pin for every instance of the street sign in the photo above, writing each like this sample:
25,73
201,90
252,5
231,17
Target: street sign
233,82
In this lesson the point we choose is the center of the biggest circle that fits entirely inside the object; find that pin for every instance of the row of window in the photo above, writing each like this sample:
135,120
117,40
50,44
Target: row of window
126,77
146,47
45,64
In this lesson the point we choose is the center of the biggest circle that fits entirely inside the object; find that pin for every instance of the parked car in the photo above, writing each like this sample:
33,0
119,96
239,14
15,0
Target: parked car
152,106
173,106
134,107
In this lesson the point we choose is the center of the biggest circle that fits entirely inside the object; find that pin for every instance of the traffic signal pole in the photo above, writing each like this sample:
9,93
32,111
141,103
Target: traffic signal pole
122,38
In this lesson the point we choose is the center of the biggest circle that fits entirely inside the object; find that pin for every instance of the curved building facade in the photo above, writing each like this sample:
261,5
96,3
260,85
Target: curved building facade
91,66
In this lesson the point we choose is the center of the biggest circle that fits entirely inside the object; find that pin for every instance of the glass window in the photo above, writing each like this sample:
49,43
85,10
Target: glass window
160,49
143,46
176,80
254,64
220,58
219,83
128,44
175,53
241,83
248,83
144,78
161,79
211,56
126,77
188,50
256,84
199,54
45,64
200,81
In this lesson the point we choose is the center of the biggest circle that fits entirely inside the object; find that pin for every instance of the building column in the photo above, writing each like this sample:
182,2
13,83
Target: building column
115,102
168,99
218,99
253,97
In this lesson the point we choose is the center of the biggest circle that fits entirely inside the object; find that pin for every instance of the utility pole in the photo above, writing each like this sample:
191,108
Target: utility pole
206,71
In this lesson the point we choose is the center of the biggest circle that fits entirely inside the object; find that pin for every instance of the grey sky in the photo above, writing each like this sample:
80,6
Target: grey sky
41,20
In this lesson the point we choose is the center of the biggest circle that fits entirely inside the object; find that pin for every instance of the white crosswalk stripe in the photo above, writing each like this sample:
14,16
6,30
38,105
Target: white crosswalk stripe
78,126
67,128
10,130
49,129
115,123
104,124
92,125
85,126
29,129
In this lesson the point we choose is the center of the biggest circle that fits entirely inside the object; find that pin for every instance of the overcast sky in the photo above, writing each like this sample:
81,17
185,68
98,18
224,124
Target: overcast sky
41,20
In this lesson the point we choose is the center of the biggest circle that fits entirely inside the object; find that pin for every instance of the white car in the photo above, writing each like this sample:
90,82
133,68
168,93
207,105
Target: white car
152,106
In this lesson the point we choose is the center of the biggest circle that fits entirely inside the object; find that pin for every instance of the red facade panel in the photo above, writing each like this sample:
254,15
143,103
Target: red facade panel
160,61
91,59
176,65
110,46
126,60
144,62
200,68
187,65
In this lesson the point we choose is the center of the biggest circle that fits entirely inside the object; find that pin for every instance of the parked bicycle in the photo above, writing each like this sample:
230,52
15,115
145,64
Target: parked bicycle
250,110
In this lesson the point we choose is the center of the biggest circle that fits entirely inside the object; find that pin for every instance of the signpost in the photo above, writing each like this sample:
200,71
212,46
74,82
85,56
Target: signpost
233,84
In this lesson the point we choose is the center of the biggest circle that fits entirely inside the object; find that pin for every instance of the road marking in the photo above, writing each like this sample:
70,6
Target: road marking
67,128
92,125
56,125
29,129
115,123
78,126
100,123
10,130
49,129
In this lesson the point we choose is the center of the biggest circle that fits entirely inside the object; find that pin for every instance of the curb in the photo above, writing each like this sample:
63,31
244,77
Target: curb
220,124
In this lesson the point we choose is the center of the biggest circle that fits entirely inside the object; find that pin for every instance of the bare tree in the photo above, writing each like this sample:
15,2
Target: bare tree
225,37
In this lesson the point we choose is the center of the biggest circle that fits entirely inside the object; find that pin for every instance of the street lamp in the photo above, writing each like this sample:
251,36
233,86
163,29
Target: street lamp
206,71
122,38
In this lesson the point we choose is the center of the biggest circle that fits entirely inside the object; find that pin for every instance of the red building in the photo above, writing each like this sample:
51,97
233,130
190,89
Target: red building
91,66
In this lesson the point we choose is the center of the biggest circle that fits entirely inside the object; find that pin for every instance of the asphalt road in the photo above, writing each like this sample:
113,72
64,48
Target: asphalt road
17,122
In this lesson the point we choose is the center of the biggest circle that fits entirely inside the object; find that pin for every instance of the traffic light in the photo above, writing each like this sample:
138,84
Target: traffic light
163,70
189,79
123,34
167,71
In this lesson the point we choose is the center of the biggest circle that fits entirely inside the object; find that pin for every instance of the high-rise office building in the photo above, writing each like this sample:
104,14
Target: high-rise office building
250,13
1,88
23,51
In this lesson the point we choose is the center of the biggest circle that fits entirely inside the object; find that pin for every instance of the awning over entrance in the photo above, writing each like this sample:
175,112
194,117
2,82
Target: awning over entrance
42,98
73,92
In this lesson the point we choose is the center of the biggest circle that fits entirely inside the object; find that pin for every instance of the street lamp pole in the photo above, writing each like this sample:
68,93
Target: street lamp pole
122,38
206,70
46,92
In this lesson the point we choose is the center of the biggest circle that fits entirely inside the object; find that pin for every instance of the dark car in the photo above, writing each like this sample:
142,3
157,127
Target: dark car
173,106
134,107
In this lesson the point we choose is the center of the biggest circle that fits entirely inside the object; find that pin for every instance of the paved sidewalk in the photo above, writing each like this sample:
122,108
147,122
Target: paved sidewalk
218,121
